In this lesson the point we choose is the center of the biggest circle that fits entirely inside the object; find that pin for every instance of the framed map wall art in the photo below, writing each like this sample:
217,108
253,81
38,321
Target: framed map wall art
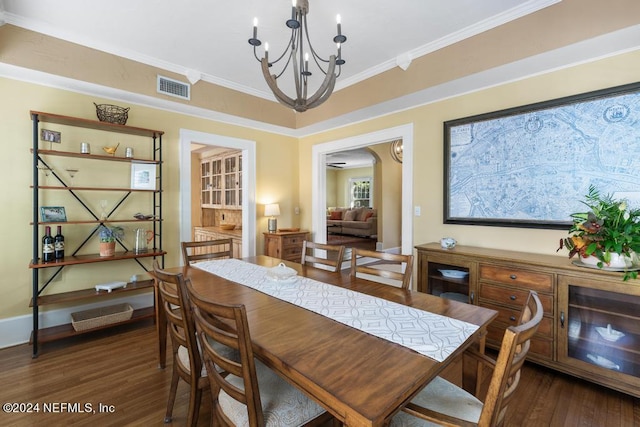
531,166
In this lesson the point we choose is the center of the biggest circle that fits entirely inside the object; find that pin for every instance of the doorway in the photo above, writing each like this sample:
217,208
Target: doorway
319,178
248,148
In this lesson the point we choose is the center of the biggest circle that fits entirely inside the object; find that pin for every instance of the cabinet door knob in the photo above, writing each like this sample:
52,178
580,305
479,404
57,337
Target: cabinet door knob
562,319
512,318
513,277
473,296
512,297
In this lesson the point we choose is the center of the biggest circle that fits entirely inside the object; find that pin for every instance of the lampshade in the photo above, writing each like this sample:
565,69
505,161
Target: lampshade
272,210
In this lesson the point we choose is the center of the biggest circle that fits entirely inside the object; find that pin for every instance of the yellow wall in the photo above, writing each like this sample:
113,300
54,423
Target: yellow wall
428,147
276,178
279,160
388,193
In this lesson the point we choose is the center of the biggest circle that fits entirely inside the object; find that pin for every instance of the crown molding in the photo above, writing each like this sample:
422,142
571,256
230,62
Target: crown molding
468,32
608,45
528,7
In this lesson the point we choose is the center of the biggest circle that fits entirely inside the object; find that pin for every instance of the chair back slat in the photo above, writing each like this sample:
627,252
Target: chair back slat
334,255
227,325
206,250
403,263
177,309
513,351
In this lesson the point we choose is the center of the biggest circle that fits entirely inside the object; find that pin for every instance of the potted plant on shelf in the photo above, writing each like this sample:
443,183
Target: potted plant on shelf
607,235
108,237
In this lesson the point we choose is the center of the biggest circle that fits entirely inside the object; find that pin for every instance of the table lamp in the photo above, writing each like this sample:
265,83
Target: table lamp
272,211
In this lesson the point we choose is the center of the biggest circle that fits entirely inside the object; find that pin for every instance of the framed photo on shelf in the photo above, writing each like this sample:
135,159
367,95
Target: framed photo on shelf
143,176
50,135
53,214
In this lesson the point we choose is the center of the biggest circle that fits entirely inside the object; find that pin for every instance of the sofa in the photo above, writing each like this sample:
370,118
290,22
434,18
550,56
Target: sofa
362,222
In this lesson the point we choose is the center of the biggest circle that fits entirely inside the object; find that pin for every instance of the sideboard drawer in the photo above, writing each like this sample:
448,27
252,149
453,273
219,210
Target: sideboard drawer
509,317
512,297
542,282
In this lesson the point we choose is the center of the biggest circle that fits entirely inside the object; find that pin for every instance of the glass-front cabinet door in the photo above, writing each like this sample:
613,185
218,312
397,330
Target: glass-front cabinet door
447,277
211,183
216,180
205,183
232,181
599,328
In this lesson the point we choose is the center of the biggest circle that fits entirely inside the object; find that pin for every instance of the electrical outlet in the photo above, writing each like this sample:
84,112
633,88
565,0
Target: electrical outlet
296,210
417,210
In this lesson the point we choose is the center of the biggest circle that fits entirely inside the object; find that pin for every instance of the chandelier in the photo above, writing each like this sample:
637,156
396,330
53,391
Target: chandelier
297,53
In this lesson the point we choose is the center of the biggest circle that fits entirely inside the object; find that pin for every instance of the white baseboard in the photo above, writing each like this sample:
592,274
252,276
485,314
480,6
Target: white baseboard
17,330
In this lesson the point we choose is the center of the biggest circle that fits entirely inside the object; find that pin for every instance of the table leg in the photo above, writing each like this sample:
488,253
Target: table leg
472,368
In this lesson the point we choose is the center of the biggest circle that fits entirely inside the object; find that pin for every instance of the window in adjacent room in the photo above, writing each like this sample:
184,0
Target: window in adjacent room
360,192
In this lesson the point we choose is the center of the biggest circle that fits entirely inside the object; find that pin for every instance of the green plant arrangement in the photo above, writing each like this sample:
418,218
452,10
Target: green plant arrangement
111,233
608,227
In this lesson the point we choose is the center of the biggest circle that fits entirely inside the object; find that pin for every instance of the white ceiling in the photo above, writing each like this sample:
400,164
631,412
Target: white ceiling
209,37
347,159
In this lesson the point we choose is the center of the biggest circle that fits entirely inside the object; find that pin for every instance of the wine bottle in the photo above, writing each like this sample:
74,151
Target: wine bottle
58,244
47,245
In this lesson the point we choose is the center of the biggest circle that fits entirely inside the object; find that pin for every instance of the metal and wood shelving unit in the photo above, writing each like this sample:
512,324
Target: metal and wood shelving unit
40,157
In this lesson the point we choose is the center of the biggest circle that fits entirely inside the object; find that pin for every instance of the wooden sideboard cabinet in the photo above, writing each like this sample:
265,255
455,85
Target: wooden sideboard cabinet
285,245
579,305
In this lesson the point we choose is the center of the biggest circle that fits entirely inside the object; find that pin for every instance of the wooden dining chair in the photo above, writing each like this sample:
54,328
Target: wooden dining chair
250,394
206,250
334,254
187,362
391,268
441,402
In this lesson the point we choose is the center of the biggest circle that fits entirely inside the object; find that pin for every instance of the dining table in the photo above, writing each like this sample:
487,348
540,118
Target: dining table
360,378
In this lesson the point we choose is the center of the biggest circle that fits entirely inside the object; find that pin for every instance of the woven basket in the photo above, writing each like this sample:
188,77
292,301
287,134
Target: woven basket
101,316
112,113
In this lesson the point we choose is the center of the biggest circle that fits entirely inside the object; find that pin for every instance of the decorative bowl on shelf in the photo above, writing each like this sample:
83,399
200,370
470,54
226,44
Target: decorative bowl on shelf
454,274
112,113
142,216
227,226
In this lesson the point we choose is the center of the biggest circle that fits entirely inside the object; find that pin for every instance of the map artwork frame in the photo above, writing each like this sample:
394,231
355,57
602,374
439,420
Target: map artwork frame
531,166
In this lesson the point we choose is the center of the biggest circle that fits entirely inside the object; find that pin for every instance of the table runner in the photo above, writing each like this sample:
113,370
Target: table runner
429,334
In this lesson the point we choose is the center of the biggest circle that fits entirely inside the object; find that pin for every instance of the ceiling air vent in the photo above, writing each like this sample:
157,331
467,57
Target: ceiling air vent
174,88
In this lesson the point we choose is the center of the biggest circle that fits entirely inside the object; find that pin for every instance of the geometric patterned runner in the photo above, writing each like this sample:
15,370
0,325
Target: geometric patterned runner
429,334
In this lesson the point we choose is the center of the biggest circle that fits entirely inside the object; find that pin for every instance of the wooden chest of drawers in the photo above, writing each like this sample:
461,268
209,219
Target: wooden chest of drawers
285,245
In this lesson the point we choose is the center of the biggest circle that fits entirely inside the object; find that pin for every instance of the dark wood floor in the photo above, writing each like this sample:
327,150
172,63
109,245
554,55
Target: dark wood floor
120,371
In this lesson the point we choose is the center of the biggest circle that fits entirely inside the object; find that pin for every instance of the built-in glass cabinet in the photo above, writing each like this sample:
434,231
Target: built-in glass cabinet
221,181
